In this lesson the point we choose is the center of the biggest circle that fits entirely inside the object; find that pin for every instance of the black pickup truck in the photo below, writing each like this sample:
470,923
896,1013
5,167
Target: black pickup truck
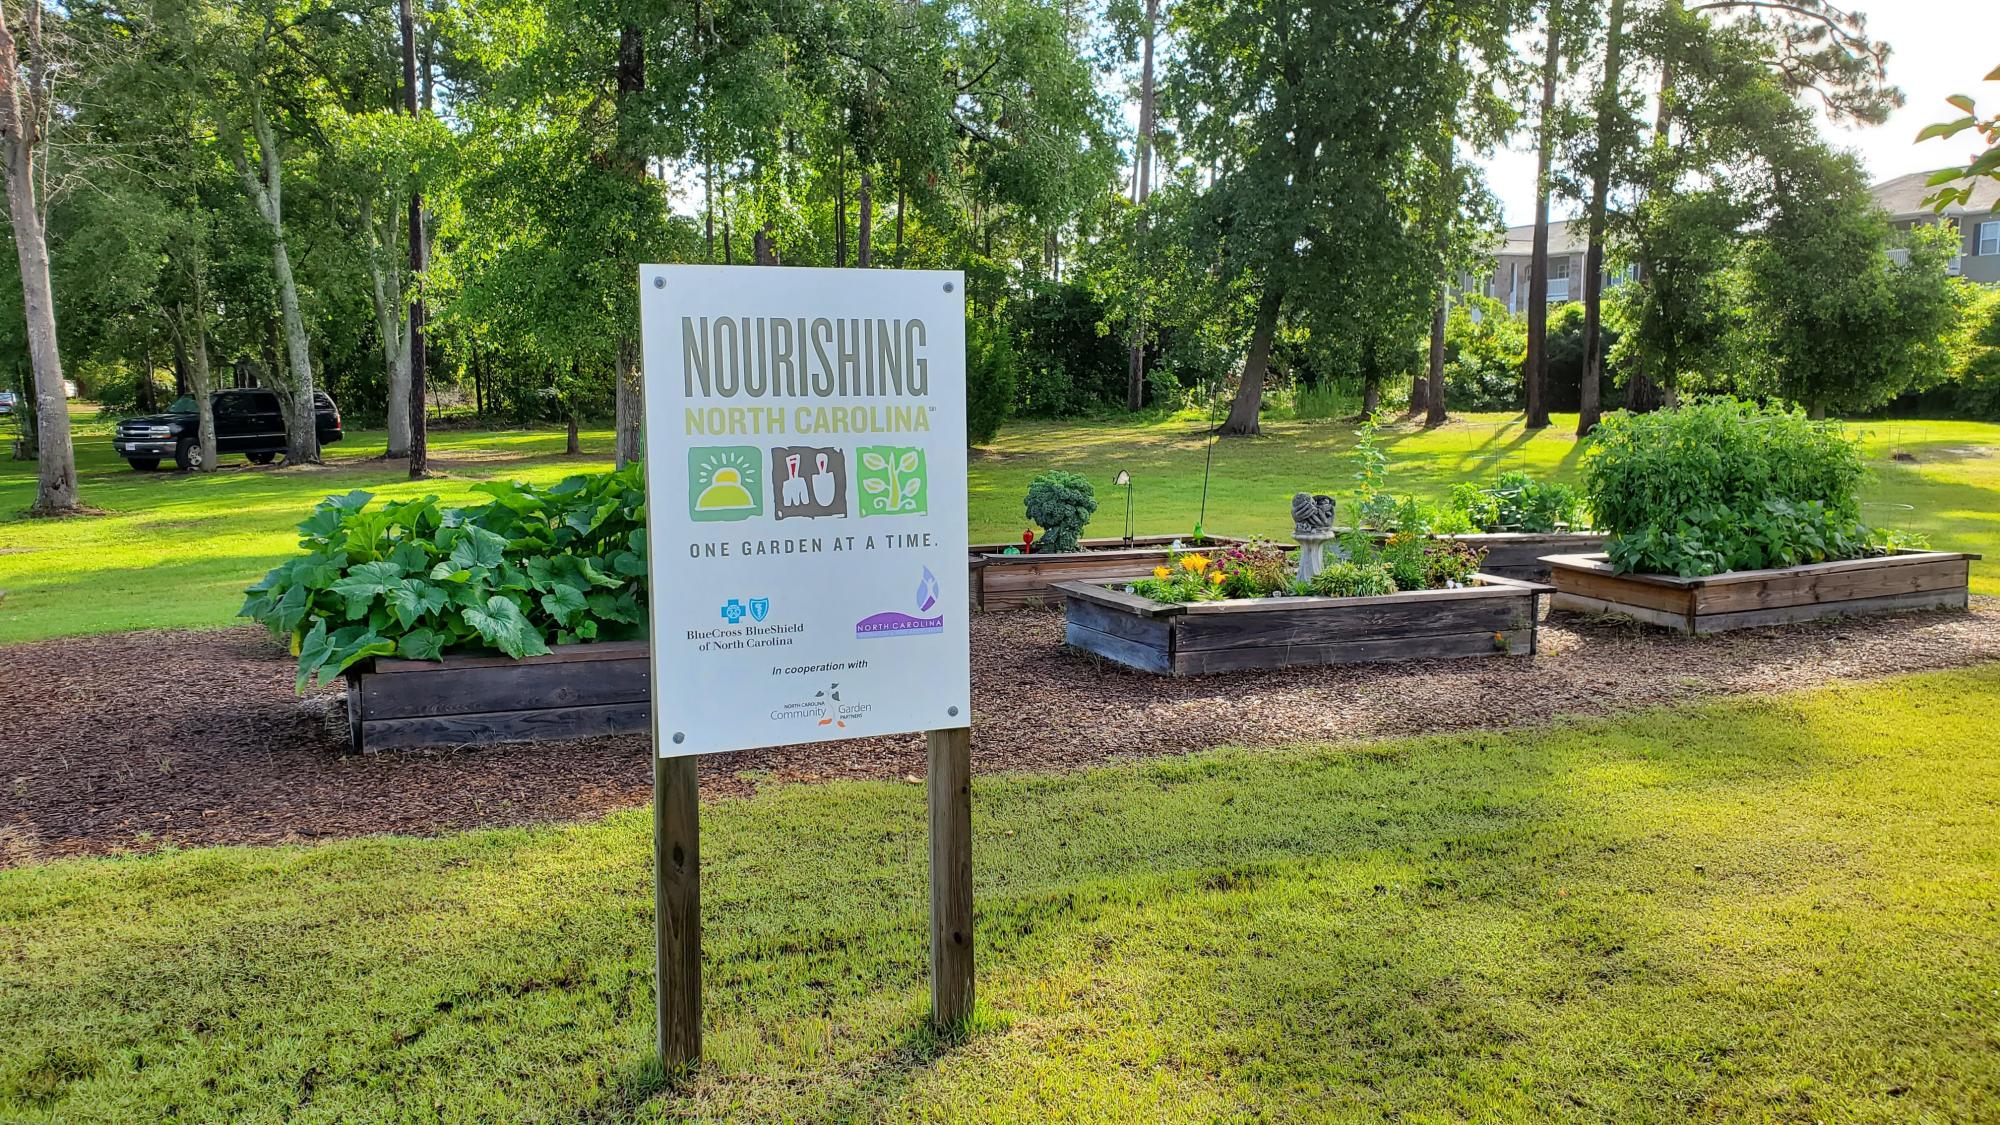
246,421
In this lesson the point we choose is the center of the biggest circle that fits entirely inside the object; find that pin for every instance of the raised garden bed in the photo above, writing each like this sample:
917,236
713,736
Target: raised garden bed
1495,616
575,691
1749,599
1003,581
1523,554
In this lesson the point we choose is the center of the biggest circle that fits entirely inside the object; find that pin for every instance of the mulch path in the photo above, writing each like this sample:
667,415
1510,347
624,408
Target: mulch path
135,740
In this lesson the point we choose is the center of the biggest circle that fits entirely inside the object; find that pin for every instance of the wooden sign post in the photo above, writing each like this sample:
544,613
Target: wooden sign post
677,894
948,777
806,543
677,911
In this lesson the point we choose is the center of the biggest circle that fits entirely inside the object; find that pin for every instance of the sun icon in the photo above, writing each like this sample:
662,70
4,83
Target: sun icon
725,478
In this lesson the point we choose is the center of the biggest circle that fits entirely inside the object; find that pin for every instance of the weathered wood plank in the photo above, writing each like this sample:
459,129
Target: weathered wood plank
505,726
455,689
1333,623
1119,600
1520,554
1781,589
1132,654
1197,662
1149,631
1815,611
1002,581
1486,586
1581,603
1635,590
601,650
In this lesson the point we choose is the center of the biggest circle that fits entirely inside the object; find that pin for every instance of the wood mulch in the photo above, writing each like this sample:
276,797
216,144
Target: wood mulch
137,740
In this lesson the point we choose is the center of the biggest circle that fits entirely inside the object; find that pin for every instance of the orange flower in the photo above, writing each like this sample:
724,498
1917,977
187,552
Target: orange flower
1194,563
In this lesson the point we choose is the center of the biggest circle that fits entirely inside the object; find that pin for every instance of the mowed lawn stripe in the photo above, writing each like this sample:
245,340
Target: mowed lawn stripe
1772,909
177,550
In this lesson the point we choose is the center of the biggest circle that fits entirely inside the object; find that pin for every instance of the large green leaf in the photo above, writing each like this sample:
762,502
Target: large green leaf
476,547
566,604
413,599
502,625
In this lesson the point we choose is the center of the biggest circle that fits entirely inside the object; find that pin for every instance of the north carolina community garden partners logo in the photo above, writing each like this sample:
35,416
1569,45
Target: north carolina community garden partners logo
894,623
826,708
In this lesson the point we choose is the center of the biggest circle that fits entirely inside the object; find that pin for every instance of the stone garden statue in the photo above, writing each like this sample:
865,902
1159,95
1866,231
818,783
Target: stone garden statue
1312,526
1312,515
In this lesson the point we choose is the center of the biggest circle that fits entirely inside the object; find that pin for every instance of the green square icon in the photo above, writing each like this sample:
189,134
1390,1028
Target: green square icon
891,480
725,482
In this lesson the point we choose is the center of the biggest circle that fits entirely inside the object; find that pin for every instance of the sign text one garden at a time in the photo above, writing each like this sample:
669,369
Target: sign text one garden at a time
806,503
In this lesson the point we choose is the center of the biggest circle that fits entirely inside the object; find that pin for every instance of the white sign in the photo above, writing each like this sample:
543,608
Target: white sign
806,504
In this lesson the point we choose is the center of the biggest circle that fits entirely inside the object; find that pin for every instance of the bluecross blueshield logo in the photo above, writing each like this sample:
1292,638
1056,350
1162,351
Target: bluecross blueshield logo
734,610
894,623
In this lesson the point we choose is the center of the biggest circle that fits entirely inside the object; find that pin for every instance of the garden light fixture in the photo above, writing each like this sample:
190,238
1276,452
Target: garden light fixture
1124,481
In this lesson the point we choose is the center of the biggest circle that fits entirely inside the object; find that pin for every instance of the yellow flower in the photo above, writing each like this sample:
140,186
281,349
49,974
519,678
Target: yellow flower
1216,577
1161,572
1195,563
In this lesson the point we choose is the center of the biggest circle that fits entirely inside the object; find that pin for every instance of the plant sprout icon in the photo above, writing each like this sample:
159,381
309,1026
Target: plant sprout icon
831,692
896,489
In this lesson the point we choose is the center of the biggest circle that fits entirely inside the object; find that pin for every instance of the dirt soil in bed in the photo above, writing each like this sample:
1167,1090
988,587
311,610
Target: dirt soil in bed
133,741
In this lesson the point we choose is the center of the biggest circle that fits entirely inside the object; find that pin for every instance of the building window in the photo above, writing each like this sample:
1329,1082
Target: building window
1989,239
1558,280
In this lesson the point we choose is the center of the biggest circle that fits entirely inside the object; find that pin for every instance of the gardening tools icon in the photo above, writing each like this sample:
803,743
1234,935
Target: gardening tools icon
822,481
793,490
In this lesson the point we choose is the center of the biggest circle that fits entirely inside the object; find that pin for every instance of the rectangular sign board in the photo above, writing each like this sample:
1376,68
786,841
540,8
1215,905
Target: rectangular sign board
806,504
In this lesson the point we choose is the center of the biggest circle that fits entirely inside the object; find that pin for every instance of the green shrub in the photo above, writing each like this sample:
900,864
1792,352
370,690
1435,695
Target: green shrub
989,381
1346,579
1518,502
1720,484
529,567
1484,348
1060,504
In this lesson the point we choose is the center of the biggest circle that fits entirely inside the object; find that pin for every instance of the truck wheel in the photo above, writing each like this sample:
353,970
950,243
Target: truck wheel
143,464
261,458
188,454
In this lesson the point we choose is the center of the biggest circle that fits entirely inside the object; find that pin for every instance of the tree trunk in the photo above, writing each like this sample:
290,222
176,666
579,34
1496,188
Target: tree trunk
571,444
1641,392
1142,189
1434,414
839,208
385,291
1590,395
180,364
899,217
190,327
1250,395
265,186
864,253
631,405
1371,393
55,492
1535,368
627,403
145,395
417,361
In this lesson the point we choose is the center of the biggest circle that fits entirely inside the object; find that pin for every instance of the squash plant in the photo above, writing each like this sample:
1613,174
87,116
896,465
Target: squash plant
530,567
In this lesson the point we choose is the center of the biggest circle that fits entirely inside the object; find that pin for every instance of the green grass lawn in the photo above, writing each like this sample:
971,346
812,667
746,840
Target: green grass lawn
176,549
1768,910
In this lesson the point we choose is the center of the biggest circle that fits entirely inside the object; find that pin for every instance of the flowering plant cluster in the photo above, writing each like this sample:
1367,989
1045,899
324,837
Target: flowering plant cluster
1263,570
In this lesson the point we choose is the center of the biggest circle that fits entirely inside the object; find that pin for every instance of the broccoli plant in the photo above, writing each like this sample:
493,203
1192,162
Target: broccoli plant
1060,504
